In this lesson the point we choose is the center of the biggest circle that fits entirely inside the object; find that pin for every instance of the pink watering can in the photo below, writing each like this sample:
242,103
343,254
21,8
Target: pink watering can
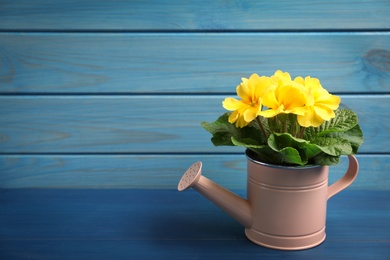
285,206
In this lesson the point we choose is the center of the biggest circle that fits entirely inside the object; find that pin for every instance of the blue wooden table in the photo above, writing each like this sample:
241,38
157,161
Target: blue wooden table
166,224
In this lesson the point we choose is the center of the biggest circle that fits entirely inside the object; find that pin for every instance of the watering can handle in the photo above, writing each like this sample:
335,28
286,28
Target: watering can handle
347,179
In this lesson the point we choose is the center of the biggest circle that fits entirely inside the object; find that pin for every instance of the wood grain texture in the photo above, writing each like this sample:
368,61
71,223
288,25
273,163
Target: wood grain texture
156,171
100,111
142,124
166,224
188,62
90,91
194,15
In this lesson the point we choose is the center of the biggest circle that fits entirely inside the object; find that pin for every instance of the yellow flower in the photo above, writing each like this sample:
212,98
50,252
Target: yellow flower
320,104
251,92
285,97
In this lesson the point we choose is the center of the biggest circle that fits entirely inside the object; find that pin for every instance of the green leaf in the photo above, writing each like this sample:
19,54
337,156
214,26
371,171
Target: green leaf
326,159
220,130
288,148
340,136
290,155
282,140
354,136
245,142
333,146
307,150
343,121
223,131
263,152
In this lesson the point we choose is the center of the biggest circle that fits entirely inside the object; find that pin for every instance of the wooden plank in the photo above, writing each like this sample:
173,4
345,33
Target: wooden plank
194,15
189,63
156,171
166,224
229,248
142,124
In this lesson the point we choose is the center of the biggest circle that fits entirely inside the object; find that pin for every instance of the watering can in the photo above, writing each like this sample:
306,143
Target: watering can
285,207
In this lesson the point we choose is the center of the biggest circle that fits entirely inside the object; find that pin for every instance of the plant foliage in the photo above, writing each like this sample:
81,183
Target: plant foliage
321,145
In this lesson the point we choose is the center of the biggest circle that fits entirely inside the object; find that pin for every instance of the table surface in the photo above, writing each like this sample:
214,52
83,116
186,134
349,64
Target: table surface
167,224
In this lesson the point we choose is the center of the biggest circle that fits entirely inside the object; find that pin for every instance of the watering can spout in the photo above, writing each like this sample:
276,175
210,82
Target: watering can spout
237,207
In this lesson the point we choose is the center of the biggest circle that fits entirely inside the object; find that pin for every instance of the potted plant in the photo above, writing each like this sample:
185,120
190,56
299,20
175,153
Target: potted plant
292,130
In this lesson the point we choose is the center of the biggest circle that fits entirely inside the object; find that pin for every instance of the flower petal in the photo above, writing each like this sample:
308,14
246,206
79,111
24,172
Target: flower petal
269,99
232,104
233,117
284,77
313,83
269,113
243,90
309,119
263,84
324,112
250,114
331,102
291,97
297,111
241,122
299,80
252,86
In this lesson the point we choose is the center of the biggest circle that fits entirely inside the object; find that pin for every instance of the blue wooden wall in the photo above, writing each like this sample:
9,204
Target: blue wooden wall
110,94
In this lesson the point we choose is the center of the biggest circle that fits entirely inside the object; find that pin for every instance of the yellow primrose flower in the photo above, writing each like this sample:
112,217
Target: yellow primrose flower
285,98
320,104
251,92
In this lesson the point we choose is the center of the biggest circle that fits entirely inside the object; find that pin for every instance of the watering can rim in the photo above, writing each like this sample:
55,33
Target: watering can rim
249,156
